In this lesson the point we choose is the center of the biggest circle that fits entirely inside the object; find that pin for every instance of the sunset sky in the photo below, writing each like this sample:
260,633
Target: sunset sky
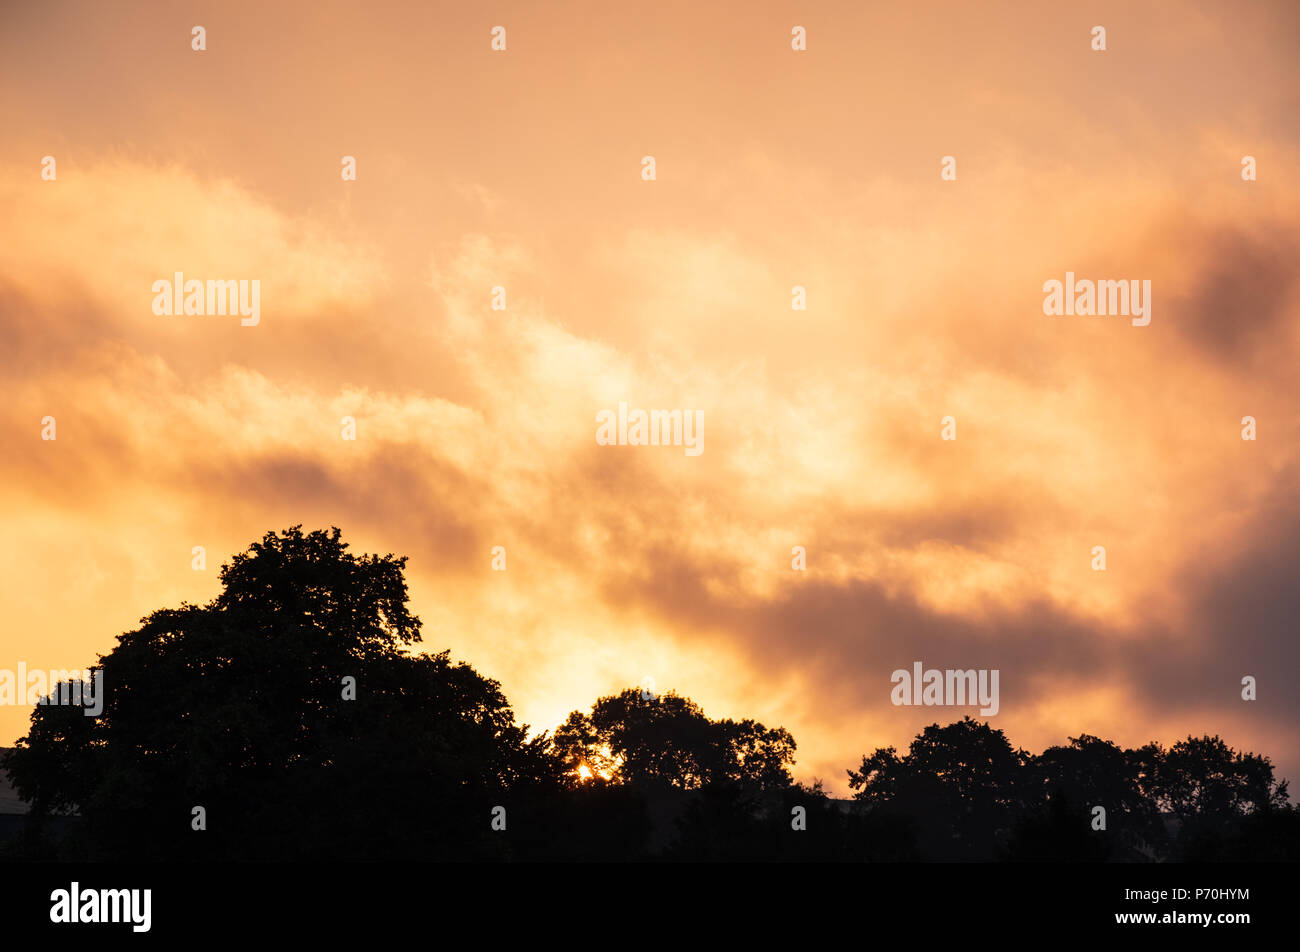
775,168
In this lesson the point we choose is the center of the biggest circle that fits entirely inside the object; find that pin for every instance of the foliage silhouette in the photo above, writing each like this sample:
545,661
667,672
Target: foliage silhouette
238,706
651,741
959,781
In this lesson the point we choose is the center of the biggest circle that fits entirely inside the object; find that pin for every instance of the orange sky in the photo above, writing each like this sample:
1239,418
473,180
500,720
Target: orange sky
775,168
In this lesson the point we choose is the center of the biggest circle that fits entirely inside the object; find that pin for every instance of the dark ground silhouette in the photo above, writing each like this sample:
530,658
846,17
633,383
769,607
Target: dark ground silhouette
241,707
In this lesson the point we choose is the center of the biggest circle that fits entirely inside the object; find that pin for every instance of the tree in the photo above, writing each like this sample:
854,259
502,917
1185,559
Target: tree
958,784
1218,796
668,741
1061,788
294,712
707,789
1203,776
238,707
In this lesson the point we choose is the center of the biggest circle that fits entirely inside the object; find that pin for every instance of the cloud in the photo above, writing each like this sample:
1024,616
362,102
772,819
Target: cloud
1243,293
476,426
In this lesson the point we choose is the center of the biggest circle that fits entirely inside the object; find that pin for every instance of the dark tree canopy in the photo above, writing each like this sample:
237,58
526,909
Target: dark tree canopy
667,740
292,709
1063,784
967,795
238,706
960,781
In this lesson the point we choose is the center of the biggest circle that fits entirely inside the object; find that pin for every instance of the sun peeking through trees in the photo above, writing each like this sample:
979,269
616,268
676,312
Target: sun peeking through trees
290,718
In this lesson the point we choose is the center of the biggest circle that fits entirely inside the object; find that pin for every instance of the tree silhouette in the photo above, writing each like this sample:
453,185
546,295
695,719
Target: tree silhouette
667,741
969,796
711,789
1062,787
238,707
1211,790
293,710
1204,777
958,782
